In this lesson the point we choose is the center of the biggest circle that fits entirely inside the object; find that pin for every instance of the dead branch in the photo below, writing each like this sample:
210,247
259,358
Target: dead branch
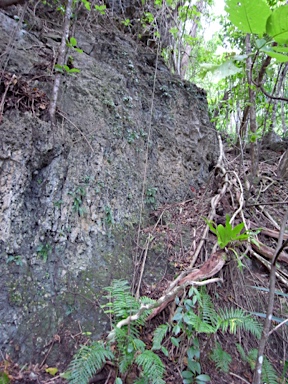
159,302
212,266
269,232
268,252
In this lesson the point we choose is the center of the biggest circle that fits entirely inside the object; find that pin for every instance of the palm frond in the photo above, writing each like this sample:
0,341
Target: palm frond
87,361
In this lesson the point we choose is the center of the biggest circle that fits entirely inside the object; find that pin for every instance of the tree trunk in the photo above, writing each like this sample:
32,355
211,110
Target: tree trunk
254,155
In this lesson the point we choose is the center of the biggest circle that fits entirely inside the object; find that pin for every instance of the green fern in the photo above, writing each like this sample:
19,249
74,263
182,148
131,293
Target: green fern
221,358
122,304
87,361
159,334
233,319
269,375
152,367
198,324
207,310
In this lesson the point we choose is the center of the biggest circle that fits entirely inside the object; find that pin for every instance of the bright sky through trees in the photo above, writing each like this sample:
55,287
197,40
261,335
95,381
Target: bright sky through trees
214,26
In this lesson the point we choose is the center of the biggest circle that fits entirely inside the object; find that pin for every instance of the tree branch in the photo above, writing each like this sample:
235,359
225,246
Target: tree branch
269,312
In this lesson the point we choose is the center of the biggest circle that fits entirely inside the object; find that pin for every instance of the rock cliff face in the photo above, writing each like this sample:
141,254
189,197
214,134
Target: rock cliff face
128,132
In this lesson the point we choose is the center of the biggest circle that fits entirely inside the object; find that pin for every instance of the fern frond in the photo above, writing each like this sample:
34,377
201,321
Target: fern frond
269,375
221,358
159,334
125,362
207,310
242,353
121,303
197,323
152,366
233,319
87,361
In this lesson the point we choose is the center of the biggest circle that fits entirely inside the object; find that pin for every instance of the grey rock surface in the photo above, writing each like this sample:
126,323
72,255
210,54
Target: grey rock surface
71,196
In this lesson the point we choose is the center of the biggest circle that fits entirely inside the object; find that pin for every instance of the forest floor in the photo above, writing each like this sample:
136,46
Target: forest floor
243,279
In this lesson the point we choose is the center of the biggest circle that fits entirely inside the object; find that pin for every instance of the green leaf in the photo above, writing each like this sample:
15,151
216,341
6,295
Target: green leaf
278,56
277,25
175,341
4,378
228,68
73,41
280,49
100,8
51,370
194,366
202,379
249,16
177,316
74,70
223,238
165,351
86,5
58,68
227,223
176,329
187,375
236,230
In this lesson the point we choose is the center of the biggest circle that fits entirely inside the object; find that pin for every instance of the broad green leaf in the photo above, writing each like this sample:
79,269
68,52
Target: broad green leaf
187,375
194,366
73,41
277,25
176,329
228,68
175,341
236,230
249,16
280,49
177,316
227,223
202,379
223,238
260,43
75,70
240,57
165,351
51,370
278,56
87,5
242,237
